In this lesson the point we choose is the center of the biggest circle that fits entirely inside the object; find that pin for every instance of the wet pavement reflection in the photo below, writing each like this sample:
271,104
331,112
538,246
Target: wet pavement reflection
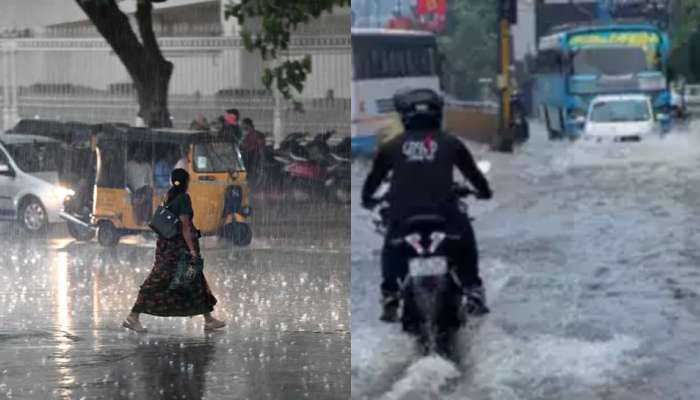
285,300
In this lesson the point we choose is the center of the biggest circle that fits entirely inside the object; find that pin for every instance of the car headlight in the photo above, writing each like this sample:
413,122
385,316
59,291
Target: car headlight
61,192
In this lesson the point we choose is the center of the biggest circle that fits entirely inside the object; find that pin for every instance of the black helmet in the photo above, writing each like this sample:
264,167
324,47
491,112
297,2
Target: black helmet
418,104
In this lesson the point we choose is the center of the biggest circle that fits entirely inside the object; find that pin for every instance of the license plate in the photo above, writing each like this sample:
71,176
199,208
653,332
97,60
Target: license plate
419,267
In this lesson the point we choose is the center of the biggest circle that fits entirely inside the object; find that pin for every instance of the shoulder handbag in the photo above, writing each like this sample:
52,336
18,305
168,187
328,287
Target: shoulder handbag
165,222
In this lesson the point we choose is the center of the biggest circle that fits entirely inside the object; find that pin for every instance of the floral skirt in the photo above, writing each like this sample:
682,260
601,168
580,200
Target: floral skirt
156,298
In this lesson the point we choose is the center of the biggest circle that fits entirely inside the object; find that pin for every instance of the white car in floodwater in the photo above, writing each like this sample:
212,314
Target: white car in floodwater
621,118
30,193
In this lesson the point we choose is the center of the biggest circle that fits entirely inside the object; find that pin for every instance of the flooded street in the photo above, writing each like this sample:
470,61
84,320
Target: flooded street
285,301
589,254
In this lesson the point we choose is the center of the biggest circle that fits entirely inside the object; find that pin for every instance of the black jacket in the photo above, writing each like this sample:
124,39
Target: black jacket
422,166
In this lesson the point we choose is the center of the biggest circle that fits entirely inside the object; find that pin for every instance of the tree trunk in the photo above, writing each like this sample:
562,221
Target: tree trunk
148,69
153,96
152,89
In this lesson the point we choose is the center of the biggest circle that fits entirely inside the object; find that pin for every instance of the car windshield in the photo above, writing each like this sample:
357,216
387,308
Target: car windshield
217,157
35,157
621,111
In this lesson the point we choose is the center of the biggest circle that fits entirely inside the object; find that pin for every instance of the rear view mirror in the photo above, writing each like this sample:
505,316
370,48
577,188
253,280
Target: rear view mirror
484,166
580,120
5,169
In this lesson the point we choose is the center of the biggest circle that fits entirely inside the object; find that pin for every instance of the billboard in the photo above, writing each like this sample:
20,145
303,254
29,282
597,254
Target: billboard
431,14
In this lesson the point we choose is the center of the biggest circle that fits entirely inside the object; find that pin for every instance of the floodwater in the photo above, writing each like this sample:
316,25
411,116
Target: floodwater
591,263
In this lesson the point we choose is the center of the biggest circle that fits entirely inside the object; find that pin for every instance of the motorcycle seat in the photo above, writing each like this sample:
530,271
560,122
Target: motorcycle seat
423,222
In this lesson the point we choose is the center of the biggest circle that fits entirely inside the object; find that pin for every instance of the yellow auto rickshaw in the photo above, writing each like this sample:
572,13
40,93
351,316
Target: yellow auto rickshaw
133,168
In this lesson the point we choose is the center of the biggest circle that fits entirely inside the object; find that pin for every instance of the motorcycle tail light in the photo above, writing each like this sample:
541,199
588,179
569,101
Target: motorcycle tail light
435,239
414,241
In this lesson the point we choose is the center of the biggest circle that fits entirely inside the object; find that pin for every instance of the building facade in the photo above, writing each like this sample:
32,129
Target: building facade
69,62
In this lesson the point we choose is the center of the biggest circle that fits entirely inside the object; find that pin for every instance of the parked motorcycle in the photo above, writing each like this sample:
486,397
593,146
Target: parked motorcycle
314,168
338,181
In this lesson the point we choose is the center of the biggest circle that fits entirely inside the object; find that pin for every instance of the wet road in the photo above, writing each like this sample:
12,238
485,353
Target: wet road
285,300
591,260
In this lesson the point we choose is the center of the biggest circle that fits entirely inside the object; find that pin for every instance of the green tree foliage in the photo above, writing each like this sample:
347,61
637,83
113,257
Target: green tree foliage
469,44
267,29
685,37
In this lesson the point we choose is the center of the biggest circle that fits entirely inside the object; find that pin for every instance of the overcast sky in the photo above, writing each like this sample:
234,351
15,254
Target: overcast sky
31,13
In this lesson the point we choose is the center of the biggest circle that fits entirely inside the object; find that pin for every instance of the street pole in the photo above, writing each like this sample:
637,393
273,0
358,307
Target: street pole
6,101
277,120
507,10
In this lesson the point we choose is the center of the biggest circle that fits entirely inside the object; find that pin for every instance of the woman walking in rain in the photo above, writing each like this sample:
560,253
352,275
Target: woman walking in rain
155,296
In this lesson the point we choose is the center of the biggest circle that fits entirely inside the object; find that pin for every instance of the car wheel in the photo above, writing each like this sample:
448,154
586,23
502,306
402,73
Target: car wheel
32,216
107,234
80,233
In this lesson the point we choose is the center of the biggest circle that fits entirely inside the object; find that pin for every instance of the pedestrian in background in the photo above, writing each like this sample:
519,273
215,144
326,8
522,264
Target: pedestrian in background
167,158
199,123
139,178
183,162
231,125
253,150
155,296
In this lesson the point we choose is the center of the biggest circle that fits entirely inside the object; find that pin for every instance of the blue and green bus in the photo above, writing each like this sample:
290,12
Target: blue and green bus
575,65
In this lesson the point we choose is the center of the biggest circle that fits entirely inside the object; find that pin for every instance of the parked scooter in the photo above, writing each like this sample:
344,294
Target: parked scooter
314,168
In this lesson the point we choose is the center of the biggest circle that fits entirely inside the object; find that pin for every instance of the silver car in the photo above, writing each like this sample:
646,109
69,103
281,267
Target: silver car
30,193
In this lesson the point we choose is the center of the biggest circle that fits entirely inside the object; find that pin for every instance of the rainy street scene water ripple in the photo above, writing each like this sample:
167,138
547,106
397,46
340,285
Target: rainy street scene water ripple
284,298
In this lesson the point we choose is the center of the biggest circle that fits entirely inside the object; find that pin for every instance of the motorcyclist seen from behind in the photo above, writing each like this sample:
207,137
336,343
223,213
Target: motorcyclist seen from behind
421,162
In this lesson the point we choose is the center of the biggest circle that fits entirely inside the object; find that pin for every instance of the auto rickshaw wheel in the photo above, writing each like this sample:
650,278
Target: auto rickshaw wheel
107,234
238,233
80,233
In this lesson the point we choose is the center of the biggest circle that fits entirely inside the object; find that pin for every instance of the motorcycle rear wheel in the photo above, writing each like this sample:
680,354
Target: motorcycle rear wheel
438,336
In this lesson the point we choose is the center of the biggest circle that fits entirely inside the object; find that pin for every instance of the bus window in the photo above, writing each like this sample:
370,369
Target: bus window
394,59
610,61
